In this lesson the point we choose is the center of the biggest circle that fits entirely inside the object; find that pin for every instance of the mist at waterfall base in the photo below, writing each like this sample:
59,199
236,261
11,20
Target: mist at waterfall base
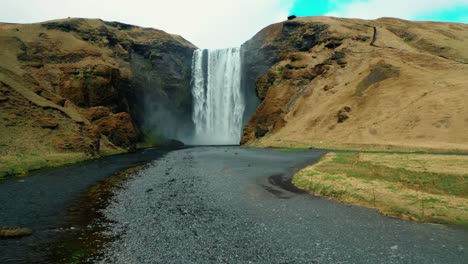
166,125
218,101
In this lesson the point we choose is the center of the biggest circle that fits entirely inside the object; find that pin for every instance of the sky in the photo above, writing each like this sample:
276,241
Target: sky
225,23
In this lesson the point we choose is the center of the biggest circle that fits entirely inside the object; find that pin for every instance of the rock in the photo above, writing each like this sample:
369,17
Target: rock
173,143
58,100
88,141
12,232
96,113
47,123
52,97
341,62
265,82
379,72
260,132
343,114
338,55
162,72
99,85
119,129
334,43
292,17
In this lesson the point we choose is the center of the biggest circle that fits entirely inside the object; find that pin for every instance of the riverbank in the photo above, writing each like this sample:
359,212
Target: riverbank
23,163
43,201
420,187
84,239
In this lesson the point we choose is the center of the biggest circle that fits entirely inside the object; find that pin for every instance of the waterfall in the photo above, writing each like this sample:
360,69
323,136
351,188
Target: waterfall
219,104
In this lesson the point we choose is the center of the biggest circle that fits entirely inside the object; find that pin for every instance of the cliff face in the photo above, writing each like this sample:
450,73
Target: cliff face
84,87
330,82
161,94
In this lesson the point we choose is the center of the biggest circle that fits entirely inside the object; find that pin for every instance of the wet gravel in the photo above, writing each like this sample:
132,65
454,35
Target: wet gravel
232,205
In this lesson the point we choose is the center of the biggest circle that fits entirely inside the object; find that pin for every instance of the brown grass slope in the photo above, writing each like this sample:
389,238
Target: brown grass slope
64,89
337,84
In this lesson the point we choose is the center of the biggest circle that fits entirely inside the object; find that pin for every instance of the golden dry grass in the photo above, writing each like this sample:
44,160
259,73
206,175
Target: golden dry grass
440,164
411,186
422,108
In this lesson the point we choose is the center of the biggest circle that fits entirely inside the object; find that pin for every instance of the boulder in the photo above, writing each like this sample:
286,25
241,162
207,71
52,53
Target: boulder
47,123
172,143
119,129
14,232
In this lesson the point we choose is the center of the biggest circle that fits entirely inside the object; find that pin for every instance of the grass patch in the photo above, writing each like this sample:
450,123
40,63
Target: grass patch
425,181
149,139
21,163
291,149
398,188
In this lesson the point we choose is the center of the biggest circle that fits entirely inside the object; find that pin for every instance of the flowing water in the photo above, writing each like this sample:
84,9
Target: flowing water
219,104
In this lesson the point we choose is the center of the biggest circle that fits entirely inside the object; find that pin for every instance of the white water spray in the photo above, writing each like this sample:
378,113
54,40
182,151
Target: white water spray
218,101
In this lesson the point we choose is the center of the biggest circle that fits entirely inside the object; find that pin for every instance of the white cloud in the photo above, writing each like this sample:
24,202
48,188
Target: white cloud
406,9
206,23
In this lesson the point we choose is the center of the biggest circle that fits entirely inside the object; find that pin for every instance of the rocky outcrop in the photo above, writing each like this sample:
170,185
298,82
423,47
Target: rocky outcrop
332,82
161,99
87,86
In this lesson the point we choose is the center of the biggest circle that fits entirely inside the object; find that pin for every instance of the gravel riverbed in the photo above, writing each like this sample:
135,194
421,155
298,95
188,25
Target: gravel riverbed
233,205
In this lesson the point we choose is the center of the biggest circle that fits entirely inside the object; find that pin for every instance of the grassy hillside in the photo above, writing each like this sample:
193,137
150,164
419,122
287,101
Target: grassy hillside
362,84
71,89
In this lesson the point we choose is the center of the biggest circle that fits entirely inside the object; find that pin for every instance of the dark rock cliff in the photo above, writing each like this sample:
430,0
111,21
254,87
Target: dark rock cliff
161,98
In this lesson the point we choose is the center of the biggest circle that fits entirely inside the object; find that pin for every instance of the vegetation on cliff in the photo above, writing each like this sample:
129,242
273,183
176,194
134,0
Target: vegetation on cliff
80,88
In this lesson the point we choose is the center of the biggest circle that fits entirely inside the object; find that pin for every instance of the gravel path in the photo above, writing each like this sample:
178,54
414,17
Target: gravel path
223,205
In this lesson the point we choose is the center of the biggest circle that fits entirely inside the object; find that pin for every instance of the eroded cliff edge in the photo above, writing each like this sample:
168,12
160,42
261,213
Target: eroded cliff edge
78,88
350,83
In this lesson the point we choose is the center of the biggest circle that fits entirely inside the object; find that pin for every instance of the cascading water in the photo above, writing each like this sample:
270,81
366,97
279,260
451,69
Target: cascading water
219,104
